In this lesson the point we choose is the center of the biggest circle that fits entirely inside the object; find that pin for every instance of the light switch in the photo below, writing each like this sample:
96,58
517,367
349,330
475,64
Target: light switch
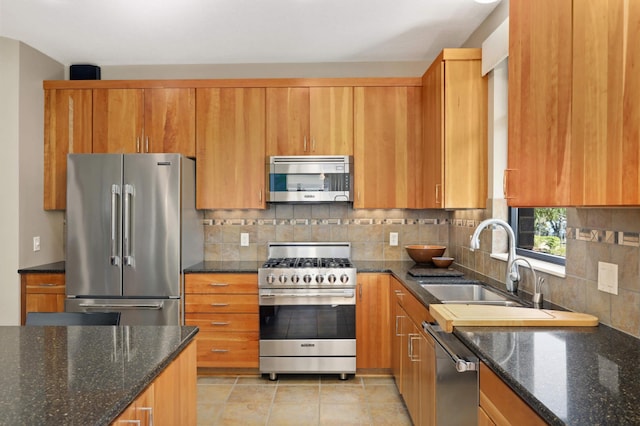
608,277
244,239
393,238
36,243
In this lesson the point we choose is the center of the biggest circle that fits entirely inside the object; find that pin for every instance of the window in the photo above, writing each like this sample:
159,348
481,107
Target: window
541,233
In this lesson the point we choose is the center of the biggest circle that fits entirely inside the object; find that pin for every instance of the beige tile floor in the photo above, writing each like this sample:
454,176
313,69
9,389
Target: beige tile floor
300,400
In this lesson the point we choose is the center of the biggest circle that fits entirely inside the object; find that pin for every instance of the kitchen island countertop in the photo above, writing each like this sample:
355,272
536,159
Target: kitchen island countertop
81,375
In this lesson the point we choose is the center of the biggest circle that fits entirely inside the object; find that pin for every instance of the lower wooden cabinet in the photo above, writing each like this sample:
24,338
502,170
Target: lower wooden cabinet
225,308
171,398
41,292
373,341
413,355
499,405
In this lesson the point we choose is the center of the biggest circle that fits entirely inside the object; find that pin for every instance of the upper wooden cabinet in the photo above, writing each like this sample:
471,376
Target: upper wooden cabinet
112,120
230,144
67,129
310,121
574,103
454,108
144,120
387,142
170,120
605,153
539,103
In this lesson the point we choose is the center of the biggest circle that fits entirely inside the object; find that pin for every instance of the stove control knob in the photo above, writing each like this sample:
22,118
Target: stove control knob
331,278
271,278
319,279
282,278
344,278
307,278
295,278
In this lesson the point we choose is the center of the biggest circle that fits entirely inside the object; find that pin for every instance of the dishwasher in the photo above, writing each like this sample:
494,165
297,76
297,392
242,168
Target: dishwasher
456,379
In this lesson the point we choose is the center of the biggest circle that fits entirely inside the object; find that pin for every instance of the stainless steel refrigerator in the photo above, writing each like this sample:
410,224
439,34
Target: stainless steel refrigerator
132,228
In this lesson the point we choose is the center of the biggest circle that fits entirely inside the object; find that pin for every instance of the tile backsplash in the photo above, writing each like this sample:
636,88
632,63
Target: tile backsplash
593,235
367,230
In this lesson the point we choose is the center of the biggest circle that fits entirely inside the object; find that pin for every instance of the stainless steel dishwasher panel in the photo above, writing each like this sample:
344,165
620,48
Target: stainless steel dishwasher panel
457,393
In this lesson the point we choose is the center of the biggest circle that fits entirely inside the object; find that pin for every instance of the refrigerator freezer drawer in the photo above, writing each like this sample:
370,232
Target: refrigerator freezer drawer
132,311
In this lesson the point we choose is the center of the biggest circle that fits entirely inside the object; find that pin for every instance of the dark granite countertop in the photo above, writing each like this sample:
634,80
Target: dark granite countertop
48,268
81,375
209,266
568,375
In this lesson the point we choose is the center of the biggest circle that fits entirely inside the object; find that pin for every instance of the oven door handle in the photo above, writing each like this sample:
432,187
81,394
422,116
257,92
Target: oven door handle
345,294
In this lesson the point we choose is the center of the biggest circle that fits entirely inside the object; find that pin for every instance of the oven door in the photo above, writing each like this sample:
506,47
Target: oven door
288,314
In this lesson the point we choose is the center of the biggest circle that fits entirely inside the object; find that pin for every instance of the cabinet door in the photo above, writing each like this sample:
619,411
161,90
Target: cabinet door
373,315
539,103
398,347
287,121
431,162
230,140
118,116
42,293
427,378
465,134
67,129
175,391
606,103
170,121
387,139
411,372
331,120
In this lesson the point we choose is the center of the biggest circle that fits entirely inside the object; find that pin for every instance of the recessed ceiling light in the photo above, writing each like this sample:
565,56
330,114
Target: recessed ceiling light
486,1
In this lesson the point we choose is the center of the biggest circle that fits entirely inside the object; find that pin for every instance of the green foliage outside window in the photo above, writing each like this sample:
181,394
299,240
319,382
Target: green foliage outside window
550,231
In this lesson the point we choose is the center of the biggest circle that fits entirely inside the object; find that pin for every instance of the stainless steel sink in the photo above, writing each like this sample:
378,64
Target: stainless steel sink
468,294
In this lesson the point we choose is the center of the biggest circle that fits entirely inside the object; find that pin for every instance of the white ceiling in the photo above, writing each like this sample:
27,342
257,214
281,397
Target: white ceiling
139,32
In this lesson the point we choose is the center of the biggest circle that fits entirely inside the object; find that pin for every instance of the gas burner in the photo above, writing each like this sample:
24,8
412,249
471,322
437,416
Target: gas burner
280,262
335,262
307,262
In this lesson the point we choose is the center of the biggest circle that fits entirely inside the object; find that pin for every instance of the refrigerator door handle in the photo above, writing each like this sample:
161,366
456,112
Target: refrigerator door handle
115,193
127,256
155,306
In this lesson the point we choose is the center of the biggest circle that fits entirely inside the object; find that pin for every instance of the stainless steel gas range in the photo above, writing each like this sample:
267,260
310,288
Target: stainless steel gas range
307,309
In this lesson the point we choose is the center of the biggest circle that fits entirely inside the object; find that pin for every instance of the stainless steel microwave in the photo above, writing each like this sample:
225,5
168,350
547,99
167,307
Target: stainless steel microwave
307,178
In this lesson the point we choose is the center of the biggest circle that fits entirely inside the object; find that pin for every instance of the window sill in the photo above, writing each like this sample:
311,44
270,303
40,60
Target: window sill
538,265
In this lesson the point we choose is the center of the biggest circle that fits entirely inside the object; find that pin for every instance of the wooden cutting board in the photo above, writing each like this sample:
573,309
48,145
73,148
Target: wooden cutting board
458,315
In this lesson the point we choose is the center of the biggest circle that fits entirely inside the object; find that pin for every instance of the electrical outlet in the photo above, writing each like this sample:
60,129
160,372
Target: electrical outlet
244,239
608,277
36,243
393,238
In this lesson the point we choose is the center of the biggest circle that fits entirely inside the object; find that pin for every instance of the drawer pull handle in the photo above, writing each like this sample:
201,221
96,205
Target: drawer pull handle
220,350
219,304
219,323
47,285
219,285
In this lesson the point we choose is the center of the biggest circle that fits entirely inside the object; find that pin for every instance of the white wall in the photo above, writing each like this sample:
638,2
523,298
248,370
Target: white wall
34,221
309,70
22,70
9,213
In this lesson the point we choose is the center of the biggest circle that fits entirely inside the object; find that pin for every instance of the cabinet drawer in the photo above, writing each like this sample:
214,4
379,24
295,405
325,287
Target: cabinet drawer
221,283
44,283
221,303
237,350
224,322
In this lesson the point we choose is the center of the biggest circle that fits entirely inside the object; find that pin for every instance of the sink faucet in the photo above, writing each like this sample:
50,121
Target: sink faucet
535,277
512,276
